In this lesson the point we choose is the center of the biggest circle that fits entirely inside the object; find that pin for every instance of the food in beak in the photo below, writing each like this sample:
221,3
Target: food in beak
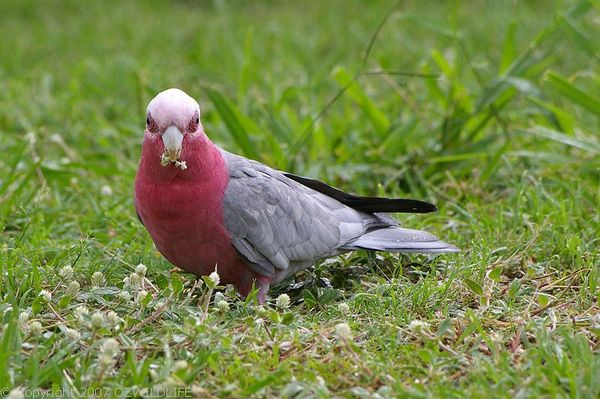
172,140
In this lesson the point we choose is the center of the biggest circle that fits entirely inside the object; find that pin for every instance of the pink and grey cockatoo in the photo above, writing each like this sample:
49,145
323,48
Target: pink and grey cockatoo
206,208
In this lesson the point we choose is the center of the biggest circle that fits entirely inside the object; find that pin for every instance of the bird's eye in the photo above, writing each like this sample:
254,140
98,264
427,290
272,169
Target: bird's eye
151,125
193,125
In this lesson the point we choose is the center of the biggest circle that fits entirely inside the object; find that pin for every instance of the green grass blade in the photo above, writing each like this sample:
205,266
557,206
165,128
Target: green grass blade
559,137
378,118
564,121
430,24
9,345
492,164
509,51
595,3
443,65
573,92
458,157
9,172
580,37
233,121
579,9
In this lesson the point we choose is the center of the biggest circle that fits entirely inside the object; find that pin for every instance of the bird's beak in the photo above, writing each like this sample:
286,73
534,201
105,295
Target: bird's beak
172,139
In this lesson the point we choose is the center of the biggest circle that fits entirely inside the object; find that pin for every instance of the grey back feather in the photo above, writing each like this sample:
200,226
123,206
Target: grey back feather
280,226
276,222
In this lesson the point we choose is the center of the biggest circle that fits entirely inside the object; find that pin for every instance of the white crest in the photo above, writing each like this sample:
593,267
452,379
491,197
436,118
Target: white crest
173,107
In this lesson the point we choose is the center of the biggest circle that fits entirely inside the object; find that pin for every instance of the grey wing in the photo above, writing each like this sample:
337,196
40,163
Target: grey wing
280,226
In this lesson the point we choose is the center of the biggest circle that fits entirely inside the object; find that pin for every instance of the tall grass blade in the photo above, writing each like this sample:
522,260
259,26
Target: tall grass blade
377,117
233,121
509,51
573,92
8,346
580,37
10,170
559,117
492,164
559,137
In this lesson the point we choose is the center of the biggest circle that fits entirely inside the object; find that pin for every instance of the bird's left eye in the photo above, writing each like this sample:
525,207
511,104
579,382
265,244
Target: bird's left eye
150,124
193,125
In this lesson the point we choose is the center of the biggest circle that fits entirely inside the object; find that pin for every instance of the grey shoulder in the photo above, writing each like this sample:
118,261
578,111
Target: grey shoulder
241,167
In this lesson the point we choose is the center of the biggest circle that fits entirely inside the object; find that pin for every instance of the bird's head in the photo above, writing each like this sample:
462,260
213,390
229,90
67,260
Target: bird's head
170,117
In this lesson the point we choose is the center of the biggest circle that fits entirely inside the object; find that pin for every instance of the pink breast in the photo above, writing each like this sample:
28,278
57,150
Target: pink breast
182,209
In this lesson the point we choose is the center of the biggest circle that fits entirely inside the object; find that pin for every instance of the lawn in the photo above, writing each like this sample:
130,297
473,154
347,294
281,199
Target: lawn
490,109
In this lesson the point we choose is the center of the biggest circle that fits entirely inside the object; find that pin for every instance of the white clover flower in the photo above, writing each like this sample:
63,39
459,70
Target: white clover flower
125,296
97,320
595,319
108,350
66,273
343,331
30,137
141,270
223,305
140,296
418,326
261,311
72,335
23,319
16,393
215,278
135,281
81,311
35,328
106,190
98,279
112,319
46,295
180,365
73,288
343,308
283,301
105,361
219,297
110,347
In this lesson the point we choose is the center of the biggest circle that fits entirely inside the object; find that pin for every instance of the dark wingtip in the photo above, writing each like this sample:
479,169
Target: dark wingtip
423,207
391,205
367,204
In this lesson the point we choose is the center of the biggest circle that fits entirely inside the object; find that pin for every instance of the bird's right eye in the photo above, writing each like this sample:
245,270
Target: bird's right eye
151,125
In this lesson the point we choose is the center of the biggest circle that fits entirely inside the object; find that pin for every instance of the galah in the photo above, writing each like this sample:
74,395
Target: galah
206,208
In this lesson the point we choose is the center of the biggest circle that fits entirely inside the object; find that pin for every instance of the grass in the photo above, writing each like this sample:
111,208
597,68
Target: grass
489,109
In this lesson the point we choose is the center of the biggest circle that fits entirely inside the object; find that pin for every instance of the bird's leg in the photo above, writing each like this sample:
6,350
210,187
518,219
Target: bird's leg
249,280
263,283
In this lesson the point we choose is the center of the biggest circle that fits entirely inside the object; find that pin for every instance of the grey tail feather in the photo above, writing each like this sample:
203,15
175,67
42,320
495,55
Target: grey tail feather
397,239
